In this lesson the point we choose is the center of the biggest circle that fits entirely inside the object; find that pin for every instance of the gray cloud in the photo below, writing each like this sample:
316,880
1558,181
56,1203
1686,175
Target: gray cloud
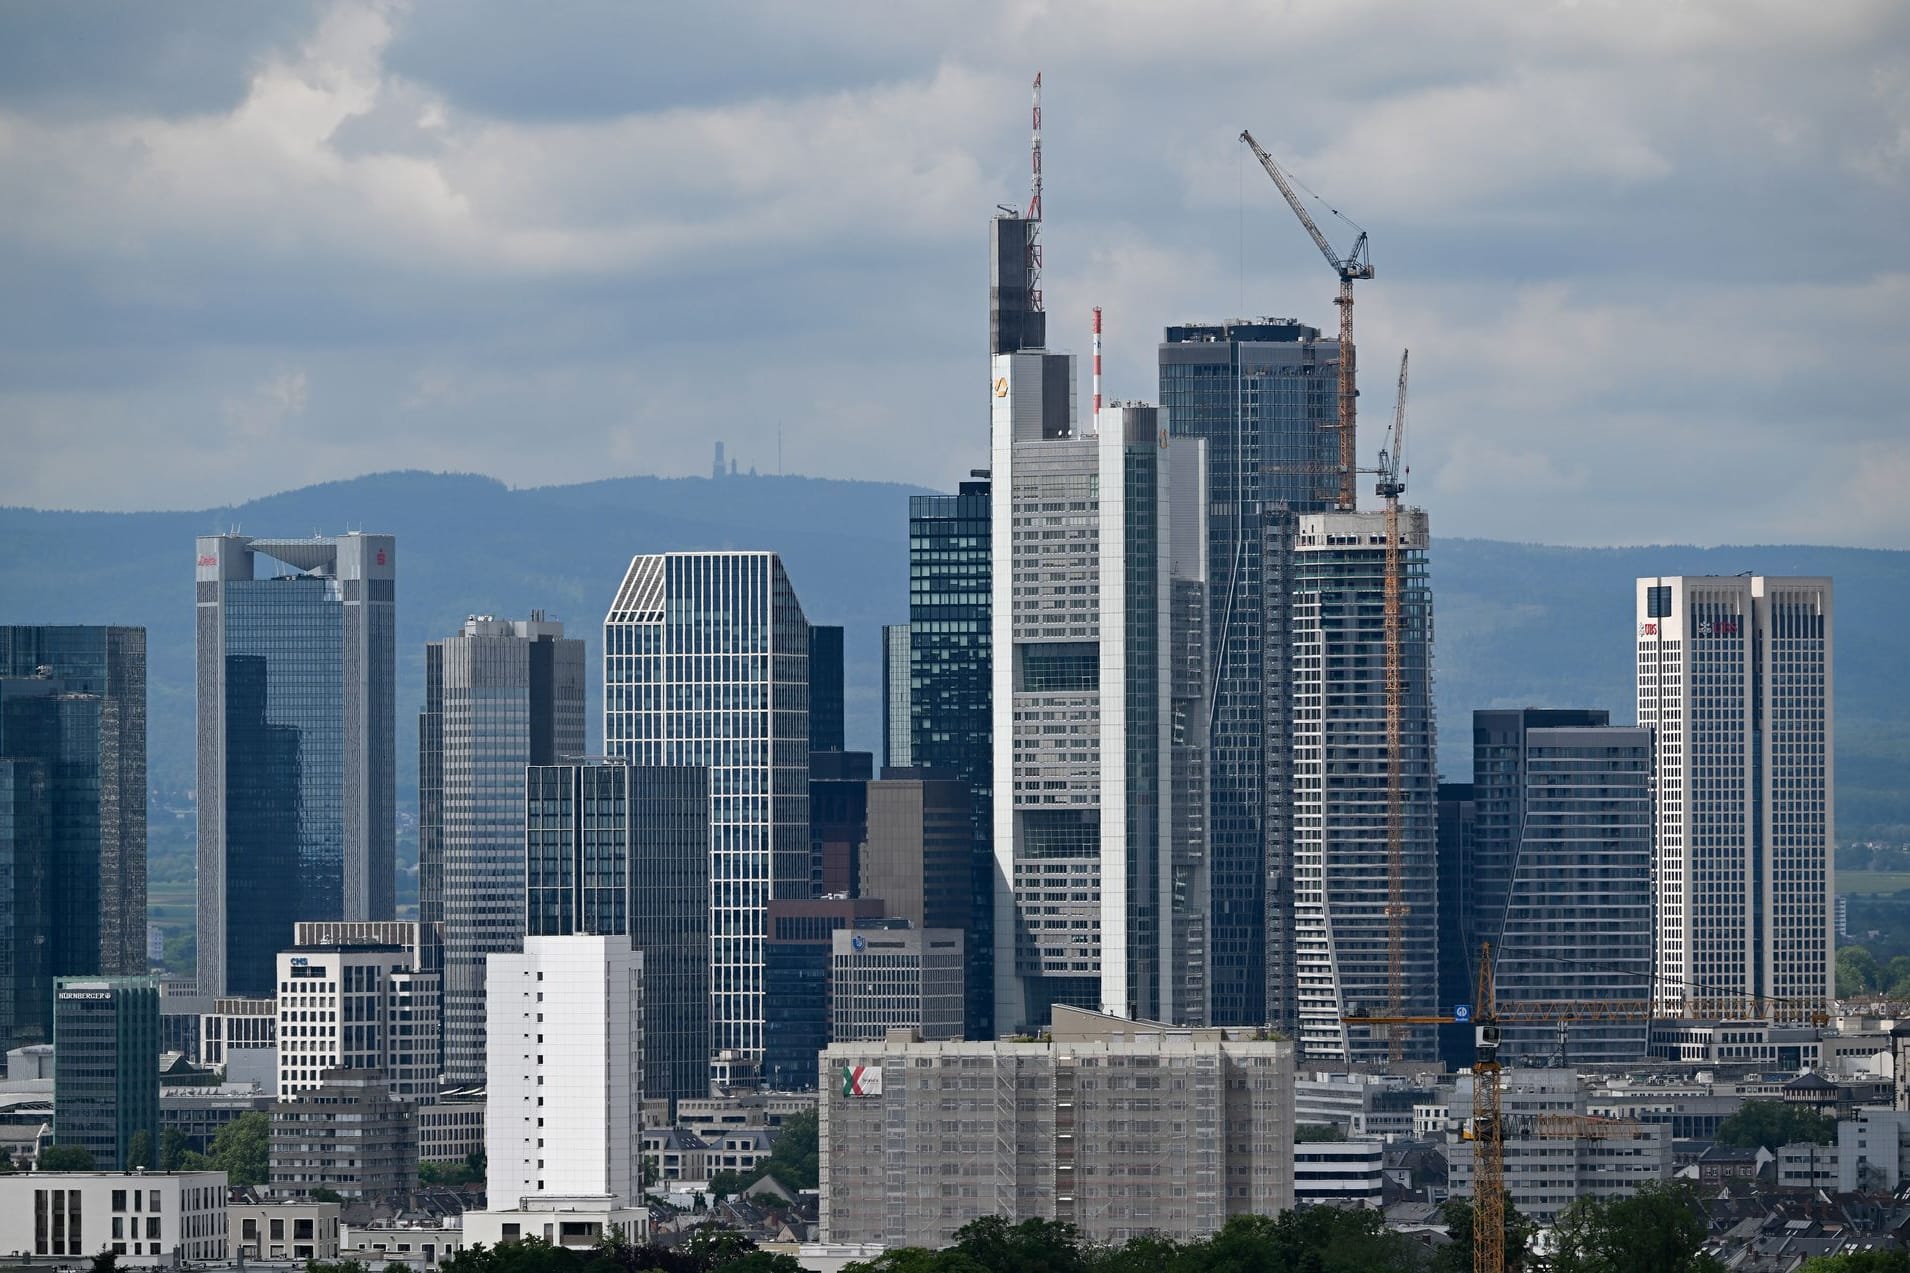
1650,258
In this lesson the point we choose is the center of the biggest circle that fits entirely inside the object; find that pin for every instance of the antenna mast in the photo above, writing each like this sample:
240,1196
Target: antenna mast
1034,207
1097,362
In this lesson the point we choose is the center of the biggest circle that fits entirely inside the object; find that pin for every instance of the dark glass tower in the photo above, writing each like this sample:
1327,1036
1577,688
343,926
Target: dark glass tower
106,1068
1263,395
613,849
825,688
109,663
950,729
296,739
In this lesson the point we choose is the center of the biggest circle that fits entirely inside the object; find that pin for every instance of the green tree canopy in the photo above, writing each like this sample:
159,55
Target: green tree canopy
1457,1256
1773,1123
1659,1228
66,1158
1859,1262
795,1159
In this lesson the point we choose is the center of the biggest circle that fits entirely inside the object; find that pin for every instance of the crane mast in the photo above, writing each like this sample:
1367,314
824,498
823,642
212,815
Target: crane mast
1391,486
1354,265
1488,1157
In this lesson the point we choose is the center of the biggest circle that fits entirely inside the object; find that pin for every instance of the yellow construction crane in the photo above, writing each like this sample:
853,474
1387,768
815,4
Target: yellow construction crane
1354,265
1488,1158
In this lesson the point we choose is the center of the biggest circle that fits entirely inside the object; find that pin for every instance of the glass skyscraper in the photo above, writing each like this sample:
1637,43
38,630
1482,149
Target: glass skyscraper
108,663
296,734
1262,393
105,1068
706,663
500,695
614,849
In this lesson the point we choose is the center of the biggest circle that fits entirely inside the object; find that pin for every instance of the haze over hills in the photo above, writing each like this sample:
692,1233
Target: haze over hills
1515,623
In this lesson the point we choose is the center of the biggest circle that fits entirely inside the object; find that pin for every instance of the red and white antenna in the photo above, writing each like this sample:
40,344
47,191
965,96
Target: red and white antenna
1034,207
1097,362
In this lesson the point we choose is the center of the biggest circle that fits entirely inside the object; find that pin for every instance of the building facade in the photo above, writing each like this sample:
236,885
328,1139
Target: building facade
1559,881
106,1069
896,696
358,1007
1098,682
108,663
1262,394
151,1218
706,663
798,966
1051,1130
500,695
1735,678
619,849
564,1093
884,979
1342,885
918,857
296,781
349,1134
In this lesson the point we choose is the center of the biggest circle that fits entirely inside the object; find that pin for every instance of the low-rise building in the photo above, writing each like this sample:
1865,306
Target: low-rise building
409,1242
579,1223
674,1153
143,1216
452,1129
350,1136
197,1113
1341,1173
1119,1127
1807,1165
283,1230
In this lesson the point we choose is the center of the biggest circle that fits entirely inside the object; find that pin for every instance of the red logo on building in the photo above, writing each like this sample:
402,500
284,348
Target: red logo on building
1648,629
207,559
381,556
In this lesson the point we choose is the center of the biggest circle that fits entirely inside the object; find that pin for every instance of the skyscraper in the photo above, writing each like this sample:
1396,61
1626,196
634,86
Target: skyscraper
1342,887
825,688
706,663
297,796
1099,672
1262,393
110,663
949,715
1735,676
1559,879
106,1069
614,848
499,696
896,710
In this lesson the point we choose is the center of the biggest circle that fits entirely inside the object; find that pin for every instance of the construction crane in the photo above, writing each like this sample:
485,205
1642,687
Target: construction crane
1488,1159
1391,485
1354,265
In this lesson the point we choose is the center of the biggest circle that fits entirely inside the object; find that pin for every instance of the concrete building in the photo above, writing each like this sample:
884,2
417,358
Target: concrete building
896,696
357,1007
706,662
950,721
451,1129
1339,1173
1261,393
145,1218
1341,878
896,979
106,1068
500,695
283,1230
564,1094
1099,683
621,849
72,813
197,1113
238,1024
798,965
297,792
349,1134
1116,1126
919,855
1735,675
1558,879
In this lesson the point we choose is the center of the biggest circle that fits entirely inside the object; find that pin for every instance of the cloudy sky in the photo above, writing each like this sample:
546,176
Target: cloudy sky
1652,259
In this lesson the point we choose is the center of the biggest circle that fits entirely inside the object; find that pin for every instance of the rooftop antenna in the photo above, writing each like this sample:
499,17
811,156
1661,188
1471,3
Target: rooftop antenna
1097,363
1034,206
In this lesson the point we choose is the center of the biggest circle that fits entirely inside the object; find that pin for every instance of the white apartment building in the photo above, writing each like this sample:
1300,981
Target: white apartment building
1735,677
1099,719
1119,1127
357,1007
145,1217
565,1067
1340,1173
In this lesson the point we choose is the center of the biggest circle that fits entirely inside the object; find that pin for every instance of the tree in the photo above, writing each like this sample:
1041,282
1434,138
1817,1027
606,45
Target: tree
66,1158
727,1183
1306,1240
106,1262
1659,1228
325,1193
1774,1123
762,1262
140,1152
1457,1257
1859,1262
915,1259
795,1159
1033,1246
1313,1133
173,1148
7,1165
1858,973
242,1149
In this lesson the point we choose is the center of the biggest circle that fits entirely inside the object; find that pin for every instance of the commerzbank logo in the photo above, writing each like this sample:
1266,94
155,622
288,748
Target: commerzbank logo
1001,387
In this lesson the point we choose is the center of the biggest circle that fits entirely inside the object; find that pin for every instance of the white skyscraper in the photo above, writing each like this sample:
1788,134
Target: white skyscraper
1342,885
706,662
1099,736
1735,676
564,1072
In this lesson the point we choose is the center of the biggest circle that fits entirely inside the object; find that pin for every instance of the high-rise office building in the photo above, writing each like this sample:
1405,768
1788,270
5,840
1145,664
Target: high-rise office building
110,664
1342,886
896,710
1015,318
1734,677
1098,681
1458,963
797,970
825,688
706,662
297,795
363,1006
895,978
500,695
917,858
1558,879
613,848
26,970
1262,393
106,1068
949,715
565,1066
838,819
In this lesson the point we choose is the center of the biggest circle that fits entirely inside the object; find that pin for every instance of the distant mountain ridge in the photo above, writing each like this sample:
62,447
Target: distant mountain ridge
1515,624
